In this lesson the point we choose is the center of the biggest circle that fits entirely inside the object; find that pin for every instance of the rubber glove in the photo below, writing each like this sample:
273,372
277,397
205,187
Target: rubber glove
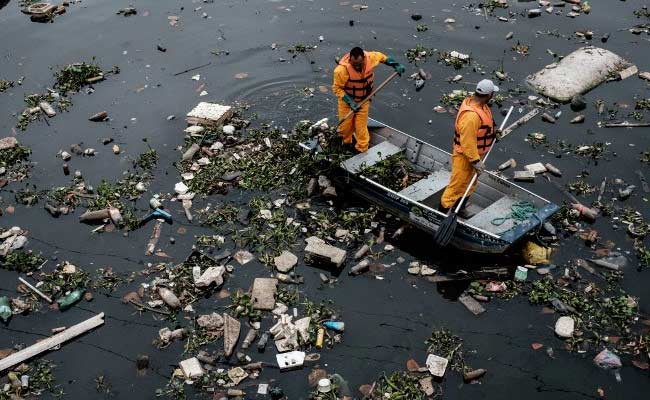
479,167
399,68
350,101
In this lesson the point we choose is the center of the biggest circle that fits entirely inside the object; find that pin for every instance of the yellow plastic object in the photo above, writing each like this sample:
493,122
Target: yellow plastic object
320,338
536,254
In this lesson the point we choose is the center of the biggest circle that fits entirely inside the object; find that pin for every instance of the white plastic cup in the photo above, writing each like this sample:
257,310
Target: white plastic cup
324,385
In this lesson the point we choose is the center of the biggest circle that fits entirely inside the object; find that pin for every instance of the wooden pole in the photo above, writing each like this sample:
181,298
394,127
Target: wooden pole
38,292
527,117
370,96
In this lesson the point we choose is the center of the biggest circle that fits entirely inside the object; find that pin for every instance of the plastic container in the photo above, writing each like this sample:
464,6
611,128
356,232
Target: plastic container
261,344
521,273
324,385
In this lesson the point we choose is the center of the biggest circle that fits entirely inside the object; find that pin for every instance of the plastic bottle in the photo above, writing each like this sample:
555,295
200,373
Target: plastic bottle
67,301
5,308
261,344
588,213
250,337
338,326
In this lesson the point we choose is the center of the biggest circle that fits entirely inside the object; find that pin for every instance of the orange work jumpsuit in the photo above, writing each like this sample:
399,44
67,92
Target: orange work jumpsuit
357,85
473,137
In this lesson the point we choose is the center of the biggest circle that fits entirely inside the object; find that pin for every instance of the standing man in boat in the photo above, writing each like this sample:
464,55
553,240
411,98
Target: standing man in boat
353,80
474,134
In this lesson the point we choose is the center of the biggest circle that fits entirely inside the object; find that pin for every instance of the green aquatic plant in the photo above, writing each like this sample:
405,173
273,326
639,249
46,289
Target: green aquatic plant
418,53
147,160
73,77
642,254
445,344
394,172
242,306
58,281
21,261
14,155
454,98
399,385
5,85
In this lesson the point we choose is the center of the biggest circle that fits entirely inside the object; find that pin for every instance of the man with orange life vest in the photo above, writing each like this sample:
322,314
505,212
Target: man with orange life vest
353,80
473,136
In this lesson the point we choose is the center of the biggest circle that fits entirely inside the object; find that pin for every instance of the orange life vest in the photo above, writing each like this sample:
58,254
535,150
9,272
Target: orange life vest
485,135
359,84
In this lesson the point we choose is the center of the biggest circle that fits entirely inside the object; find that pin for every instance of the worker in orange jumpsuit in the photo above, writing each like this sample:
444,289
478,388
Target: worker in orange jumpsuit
473,136
353,80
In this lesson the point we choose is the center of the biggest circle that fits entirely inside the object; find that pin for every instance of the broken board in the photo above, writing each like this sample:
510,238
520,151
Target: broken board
577,73
51,342
231,329
264,293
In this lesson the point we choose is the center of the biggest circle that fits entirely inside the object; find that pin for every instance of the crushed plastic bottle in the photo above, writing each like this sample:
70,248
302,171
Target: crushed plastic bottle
5,309
67,301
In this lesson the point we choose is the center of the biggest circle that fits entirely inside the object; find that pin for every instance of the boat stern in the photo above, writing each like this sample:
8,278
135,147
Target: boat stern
535,220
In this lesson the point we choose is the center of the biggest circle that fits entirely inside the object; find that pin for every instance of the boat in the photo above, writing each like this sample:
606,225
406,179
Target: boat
417,204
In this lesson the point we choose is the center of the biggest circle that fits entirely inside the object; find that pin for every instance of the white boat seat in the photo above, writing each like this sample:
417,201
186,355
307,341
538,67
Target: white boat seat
371,157
499,208
422,189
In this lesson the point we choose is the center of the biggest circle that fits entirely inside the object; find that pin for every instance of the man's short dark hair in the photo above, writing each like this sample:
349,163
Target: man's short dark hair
480,95
356,52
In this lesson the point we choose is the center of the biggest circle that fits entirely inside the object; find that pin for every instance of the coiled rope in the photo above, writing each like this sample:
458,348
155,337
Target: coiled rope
519,211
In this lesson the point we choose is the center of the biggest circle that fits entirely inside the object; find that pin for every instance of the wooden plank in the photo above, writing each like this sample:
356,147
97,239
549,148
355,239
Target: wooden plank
52,341
472,305
264,293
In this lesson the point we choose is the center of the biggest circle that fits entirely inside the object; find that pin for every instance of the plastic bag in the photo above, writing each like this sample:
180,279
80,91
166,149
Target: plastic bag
607,360
536,254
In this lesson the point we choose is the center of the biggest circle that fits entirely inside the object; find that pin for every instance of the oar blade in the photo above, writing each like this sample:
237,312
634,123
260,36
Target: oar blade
446,230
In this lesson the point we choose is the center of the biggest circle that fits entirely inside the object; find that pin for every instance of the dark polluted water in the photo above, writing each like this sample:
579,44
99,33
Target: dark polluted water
388,313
